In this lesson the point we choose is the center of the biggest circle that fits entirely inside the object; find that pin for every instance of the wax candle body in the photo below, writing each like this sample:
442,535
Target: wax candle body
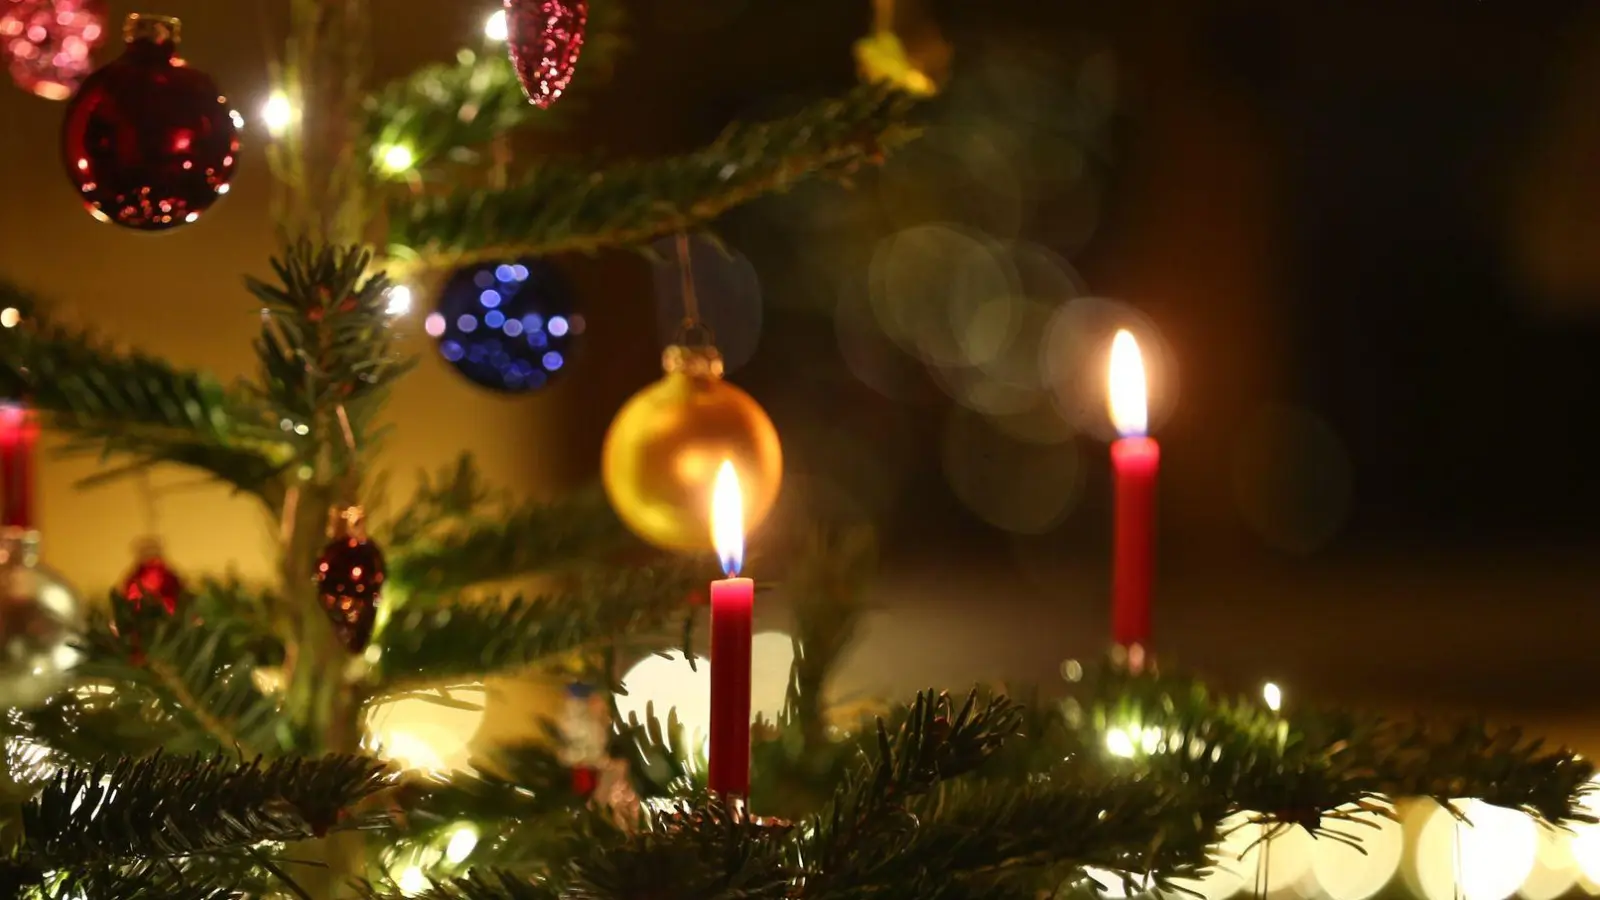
732,606
18,433
1134,461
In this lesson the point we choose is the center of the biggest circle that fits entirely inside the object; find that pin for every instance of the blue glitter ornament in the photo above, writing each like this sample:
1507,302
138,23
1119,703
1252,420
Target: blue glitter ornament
510,327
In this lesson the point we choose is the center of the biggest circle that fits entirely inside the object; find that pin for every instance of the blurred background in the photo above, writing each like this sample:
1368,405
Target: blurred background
1357,241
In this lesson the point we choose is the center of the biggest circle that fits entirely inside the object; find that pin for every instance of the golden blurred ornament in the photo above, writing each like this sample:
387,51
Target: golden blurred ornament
663,450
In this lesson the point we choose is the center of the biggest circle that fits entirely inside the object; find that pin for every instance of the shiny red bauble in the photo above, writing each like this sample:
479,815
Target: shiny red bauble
152,585
47,43
545,38
149,142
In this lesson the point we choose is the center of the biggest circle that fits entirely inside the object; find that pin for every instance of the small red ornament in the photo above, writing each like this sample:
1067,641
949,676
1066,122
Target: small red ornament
152,582
545,38
47,43
584,780
350,580
149,142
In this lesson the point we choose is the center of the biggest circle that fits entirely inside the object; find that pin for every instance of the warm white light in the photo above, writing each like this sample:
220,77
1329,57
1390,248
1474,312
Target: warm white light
1238,862
1485,860
496,28
397,158
1346,873
664,683
419,734
277,113
9,317
1554,871
1120,743
399,300
727,519
1127,389
413,881
1273,695
1586,837
1117,885
462,842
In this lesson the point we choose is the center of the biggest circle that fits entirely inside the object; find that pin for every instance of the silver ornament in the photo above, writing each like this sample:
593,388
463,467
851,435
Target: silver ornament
40,618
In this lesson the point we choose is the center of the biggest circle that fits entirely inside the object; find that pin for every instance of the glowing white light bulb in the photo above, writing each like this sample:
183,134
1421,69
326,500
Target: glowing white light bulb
496,28
1273,695
1118,743
277,113
462,842
397,158
9,317
413,881
399,300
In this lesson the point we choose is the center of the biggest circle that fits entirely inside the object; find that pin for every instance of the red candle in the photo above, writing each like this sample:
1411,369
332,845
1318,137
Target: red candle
18,434
1135,458
732,608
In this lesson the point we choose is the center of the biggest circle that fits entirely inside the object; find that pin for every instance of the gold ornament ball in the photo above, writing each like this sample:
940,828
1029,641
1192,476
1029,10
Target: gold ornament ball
666,444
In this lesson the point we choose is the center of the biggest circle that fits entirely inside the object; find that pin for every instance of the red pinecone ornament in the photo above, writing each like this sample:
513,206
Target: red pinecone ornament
150,142
350,581
545,38
47,43
152,582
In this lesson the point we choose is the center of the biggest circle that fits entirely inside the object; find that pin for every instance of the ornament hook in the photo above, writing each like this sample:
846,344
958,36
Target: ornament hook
693,332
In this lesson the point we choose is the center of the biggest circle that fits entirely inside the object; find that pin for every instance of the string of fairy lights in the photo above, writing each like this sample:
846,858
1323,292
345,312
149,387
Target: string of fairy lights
279,115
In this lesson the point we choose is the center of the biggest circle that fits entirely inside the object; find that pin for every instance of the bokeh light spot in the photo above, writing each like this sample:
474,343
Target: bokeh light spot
1292,479
1019,487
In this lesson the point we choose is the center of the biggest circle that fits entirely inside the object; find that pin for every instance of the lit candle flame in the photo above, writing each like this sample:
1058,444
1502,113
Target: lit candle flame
727,519
1127,395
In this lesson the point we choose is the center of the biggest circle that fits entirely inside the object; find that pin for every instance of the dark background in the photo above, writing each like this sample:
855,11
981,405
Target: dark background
1383,216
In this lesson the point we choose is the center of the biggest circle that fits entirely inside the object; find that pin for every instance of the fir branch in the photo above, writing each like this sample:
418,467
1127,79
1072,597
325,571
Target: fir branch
325,345
986,832
445,799
486,884
81,726
199,671
933,744
446,107
1300,767
478,639
532,820
827,585
507,544
168,807
445,110
566,208
115,402
150,880
697,849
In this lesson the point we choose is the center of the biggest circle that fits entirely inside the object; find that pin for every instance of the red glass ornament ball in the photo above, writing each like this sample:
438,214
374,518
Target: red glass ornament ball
149,142
152,581
48,43
350,577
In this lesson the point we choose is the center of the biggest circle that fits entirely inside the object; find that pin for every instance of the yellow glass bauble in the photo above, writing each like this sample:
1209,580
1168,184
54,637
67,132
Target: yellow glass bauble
666,444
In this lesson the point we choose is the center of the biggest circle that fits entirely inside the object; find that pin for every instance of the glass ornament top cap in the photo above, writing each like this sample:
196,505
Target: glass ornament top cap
19,546
348,521
160,30
698,362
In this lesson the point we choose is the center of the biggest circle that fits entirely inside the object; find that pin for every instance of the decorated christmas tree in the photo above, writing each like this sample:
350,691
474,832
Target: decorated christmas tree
210,737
